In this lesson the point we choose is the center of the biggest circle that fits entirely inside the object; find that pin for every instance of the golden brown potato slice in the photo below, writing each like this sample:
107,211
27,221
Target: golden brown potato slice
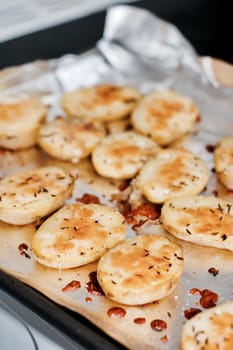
77,234
172,173
19,123
140,270
120,156
223,160
69,139
31,194
101,102
165,116
201,220
210,329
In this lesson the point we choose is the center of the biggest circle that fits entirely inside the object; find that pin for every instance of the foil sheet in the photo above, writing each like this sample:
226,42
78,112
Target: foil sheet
150,54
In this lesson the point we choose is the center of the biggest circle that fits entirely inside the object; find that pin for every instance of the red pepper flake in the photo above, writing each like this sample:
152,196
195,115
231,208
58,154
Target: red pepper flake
164,339
59,279
116,312
88,300
215,193
71,286
194,291
210,148
213,271
189,313
139,320
158,325
198,118
88,198
208,298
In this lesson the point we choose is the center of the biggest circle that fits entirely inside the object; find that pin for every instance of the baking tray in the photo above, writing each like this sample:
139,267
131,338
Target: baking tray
71,324
170,63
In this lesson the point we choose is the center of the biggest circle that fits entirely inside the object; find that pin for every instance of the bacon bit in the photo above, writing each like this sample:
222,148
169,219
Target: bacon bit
71,286
139,320
210,148
93,286
88,198
195,291
213,271
164,339
198,118
208,298
147,210
189,313
141,214
215,193
158,325
128,215
23,247
116,312
88,300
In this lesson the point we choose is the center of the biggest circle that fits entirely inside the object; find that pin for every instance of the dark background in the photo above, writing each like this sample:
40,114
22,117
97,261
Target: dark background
205,23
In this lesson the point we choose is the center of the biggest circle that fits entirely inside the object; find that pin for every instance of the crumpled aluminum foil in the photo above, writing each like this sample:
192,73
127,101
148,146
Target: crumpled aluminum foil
147,52
150,54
